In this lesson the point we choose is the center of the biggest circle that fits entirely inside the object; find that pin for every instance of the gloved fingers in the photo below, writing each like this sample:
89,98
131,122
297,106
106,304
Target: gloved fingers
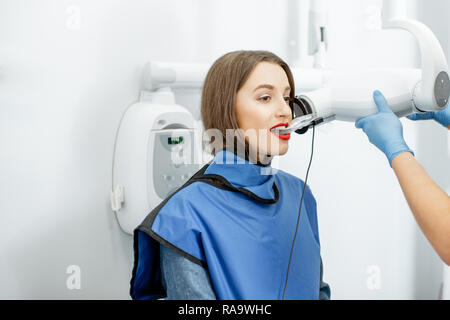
381,102
443,116
421,116
361,122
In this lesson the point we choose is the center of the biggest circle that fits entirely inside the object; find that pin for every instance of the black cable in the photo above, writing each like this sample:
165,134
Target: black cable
299,211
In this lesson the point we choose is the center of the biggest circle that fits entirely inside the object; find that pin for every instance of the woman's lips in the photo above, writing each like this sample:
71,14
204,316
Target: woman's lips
281,136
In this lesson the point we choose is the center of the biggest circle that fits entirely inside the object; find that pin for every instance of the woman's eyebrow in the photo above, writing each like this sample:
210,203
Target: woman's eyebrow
269,86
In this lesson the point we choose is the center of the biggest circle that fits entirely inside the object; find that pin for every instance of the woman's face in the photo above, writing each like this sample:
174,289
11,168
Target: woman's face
262,103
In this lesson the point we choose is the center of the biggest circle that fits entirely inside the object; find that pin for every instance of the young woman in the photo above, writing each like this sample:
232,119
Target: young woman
228,232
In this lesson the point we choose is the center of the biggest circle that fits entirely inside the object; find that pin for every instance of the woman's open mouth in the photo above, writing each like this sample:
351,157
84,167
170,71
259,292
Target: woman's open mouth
286,136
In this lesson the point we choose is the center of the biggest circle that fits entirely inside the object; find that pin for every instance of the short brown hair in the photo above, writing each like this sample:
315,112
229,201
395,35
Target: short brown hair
224,79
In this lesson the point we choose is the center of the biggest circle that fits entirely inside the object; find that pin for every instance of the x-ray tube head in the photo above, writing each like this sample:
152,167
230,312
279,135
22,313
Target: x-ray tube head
442,89
432,90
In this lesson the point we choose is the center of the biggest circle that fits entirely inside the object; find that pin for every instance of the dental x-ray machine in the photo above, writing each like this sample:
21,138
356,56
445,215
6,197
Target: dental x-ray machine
347,95
156,133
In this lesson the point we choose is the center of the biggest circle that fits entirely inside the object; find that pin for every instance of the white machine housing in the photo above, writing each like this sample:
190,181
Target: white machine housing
348,94
156,151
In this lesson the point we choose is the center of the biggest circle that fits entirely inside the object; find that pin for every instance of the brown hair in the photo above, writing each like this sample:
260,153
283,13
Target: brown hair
224,79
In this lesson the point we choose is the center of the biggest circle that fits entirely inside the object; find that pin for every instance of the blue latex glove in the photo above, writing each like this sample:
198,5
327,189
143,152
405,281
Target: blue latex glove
384,129
442,116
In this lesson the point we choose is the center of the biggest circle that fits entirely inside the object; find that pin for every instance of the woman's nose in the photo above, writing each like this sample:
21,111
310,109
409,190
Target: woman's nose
284,110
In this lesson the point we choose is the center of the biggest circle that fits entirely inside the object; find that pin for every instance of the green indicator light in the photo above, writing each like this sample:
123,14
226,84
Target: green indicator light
175,140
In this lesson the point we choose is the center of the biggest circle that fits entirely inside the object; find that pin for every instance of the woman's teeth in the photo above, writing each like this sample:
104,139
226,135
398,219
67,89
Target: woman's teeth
278,128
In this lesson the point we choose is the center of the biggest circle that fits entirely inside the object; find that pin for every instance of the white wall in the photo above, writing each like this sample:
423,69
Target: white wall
68,70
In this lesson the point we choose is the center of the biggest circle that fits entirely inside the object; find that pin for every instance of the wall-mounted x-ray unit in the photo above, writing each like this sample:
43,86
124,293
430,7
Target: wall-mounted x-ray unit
156,151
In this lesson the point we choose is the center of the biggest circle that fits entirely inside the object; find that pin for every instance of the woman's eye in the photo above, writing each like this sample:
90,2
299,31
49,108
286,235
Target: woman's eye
265,98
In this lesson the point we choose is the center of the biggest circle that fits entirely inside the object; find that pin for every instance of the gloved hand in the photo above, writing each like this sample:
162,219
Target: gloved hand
442,116
384,129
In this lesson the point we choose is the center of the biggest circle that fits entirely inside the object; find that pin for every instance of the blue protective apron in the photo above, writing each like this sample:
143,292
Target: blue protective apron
237,220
